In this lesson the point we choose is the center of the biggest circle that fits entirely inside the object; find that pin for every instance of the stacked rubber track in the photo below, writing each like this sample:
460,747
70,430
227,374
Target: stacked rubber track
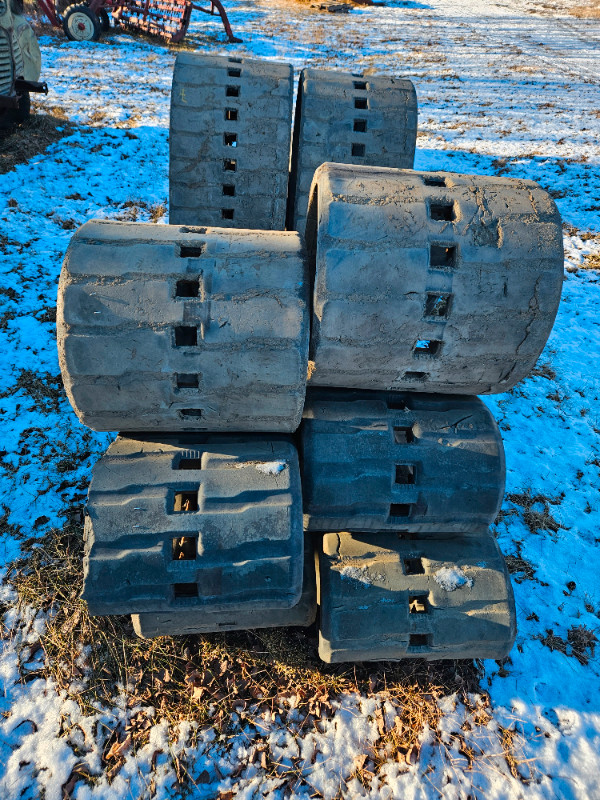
298,418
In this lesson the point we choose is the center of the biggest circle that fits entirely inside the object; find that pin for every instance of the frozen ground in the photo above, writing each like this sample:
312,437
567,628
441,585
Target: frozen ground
506,88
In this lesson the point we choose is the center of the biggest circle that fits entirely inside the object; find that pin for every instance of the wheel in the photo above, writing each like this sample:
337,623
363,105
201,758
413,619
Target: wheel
81,25
104,18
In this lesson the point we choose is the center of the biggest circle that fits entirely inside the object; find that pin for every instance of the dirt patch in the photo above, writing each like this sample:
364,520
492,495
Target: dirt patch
588,11
31,138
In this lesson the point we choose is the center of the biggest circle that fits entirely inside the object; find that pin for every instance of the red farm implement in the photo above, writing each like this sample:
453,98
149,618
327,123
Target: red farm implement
168,19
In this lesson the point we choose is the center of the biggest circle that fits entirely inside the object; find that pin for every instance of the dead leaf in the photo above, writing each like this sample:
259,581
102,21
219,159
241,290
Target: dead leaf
119,749
412,755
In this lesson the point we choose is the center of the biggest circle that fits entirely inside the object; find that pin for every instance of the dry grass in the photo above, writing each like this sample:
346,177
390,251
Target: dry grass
536,510
208,678
591,261
31,138
580,643
589,11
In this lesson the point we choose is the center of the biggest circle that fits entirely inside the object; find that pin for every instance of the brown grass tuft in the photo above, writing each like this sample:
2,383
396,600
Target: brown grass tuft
31,138
590,10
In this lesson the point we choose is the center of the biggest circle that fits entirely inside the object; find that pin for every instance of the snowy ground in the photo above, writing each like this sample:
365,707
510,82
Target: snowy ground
509,88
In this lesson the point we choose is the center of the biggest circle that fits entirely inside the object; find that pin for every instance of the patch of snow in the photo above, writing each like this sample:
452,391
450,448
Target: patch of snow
271,467
451,578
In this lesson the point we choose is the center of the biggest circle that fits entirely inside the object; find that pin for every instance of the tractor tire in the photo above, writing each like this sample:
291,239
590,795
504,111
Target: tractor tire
185,622
80,24
194,523
197,329
431,465
383,598
348,119
229,142
430,282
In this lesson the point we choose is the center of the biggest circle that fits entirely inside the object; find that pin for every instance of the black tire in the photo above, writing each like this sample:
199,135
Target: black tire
104,18
80,24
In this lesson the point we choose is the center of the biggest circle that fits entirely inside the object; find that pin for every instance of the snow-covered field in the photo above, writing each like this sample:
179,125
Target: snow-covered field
509,88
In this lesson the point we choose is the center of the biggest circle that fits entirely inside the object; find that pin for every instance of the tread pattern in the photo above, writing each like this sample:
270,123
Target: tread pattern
187,523
184,622
426,464
229,141
349,119
383,598
169,328
430,282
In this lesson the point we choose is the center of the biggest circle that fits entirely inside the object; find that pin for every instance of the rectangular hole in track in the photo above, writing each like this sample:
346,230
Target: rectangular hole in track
183,548
234,60
189,463
229,189
191,251
360,125
191,413
232,91
229,165
415,377
230,139
405,474
442,211
186,336
416,640
418,604
427,347
397,405
437,304
434,180
231,114
441,255
185,501
360,102
360,86
187,380
413,566
234,72
227,213
399,510
182,590
188,288
403,435
358,150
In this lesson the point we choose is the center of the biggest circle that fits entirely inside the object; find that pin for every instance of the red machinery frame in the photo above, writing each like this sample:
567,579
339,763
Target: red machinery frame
169,19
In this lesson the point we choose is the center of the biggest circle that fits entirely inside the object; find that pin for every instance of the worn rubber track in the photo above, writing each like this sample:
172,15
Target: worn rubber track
349,119
430,282
184,622
385,598
205,523
174,328
374,461
229,141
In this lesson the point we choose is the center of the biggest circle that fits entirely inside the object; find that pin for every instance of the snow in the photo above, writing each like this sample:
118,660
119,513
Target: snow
507,87
271,467
361,574
451,578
